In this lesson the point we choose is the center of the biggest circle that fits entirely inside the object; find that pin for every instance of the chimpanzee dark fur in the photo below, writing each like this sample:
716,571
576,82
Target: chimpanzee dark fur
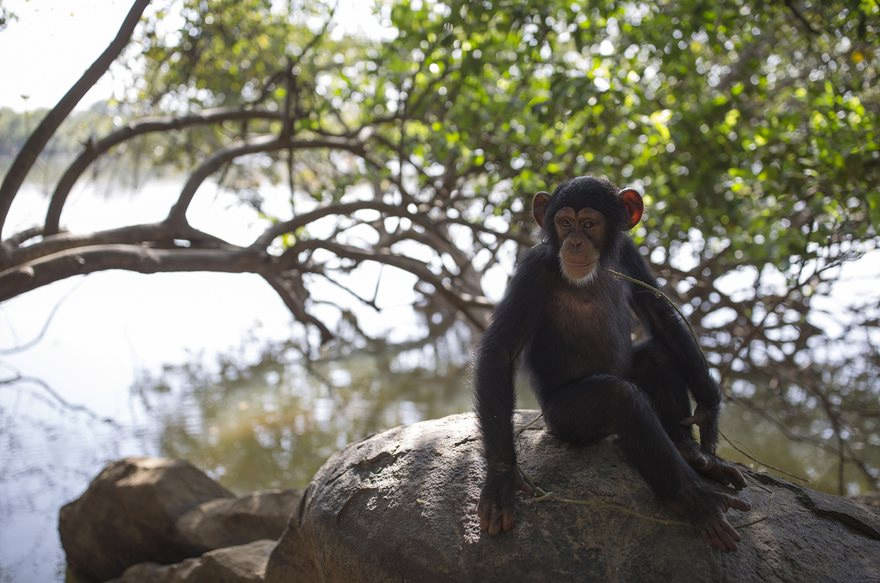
590,380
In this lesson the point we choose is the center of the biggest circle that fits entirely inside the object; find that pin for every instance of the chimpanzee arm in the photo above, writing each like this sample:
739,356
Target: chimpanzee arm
667,327
513,322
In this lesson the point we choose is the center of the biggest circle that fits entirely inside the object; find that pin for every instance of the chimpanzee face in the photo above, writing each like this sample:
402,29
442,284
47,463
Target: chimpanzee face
581,236
583,220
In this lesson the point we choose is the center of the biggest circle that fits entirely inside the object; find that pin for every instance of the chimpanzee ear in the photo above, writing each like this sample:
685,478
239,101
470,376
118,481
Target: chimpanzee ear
632,203
539,207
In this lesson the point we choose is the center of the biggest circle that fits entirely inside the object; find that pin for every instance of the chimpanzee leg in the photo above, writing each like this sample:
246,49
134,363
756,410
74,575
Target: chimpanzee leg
594,407
666,388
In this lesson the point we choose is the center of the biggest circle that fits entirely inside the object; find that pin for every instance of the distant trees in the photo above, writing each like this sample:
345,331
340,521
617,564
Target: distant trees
751,127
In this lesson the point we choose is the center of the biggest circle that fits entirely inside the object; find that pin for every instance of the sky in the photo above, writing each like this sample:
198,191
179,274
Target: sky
46,49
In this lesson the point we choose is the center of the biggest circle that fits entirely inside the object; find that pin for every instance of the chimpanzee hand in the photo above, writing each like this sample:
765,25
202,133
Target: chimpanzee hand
711,465
706,418
496,500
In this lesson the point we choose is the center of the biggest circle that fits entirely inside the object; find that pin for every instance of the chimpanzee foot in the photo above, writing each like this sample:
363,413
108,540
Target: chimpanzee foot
711,466
706,508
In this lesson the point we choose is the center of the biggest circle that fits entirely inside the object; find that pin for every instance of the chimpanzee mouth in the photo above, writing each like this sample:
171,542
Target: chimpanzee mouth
577,265
587,269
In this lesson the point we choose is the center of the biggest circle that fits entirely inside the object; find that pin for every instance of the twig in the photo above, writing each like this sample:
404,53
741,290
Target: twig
747,524
18,378
757,461
669,301
542,495
551,496
39,336
529,424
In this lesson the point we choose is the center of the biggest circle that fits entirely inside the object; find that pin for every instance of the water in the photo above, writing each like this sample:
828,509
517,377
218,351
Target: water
238,402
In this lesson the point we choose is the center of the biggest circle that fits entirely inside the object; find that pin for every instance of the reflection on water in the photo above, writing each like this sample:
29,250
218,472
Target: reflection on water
261,417
274,421
804,463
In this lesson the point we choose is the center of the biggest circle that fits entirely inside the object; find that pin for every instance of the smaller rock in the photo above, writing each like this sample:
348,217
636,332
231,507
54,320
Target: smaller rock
238,564
227,522
128,513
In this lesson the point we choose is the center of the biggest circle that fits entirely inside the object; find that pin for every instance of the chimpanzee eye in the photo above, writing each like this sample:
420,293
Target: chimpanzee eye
589,225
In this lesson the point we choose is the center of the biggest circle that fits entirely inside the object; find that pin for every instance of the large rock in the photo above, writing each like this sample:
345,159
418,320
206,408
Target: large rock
238,564
401,506
128,514
227,522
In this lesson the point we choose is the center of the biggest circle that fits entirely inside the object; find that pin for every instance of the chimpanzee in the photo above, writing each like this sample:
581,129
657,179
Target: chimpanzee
571,319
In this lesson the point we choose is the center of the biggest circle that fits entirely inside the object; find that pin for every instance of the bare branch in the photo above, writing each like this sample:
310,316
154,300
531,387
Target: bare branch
295,303
465,303
31,275
37,141
131,234
263,144
58,399
347,208
22,237
44,329
93,150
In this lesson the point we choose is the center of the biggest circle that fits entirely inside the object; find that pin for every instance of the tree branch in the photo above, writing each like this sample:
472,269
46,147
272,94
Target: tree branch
803,20
93,150
31,275
463,302
37,141
296,305
57,398
177,215
33,342
146,233
347,208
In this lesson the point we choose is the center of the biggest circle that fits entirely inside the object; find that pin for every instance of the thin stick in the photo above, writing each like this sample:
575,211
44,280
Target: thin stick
747,524
757,461
662,295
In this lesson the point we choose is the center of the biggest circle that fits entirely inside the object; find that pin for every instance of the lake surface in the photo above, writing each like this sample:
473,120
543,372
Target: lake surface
197,366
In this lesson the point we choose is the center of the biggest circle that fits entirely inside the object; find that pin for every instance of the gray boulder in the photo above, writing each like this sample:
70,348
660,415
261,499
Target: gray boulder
227,522
401,506
128,515
238,564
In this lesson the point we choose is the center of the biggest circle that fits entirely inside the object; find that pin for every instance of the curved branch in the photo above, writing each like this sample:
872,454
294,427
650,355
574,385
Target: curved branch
146,233
23,278
265,239
296,306
131,234
462,302
22,237
57,398
33,342
177,215
93,150
36,142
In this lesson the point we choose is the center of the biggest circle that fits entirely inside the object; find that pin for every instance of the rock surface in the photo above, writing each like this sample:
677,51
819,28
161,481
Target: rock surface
128,513
227,522
238,564
401,506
